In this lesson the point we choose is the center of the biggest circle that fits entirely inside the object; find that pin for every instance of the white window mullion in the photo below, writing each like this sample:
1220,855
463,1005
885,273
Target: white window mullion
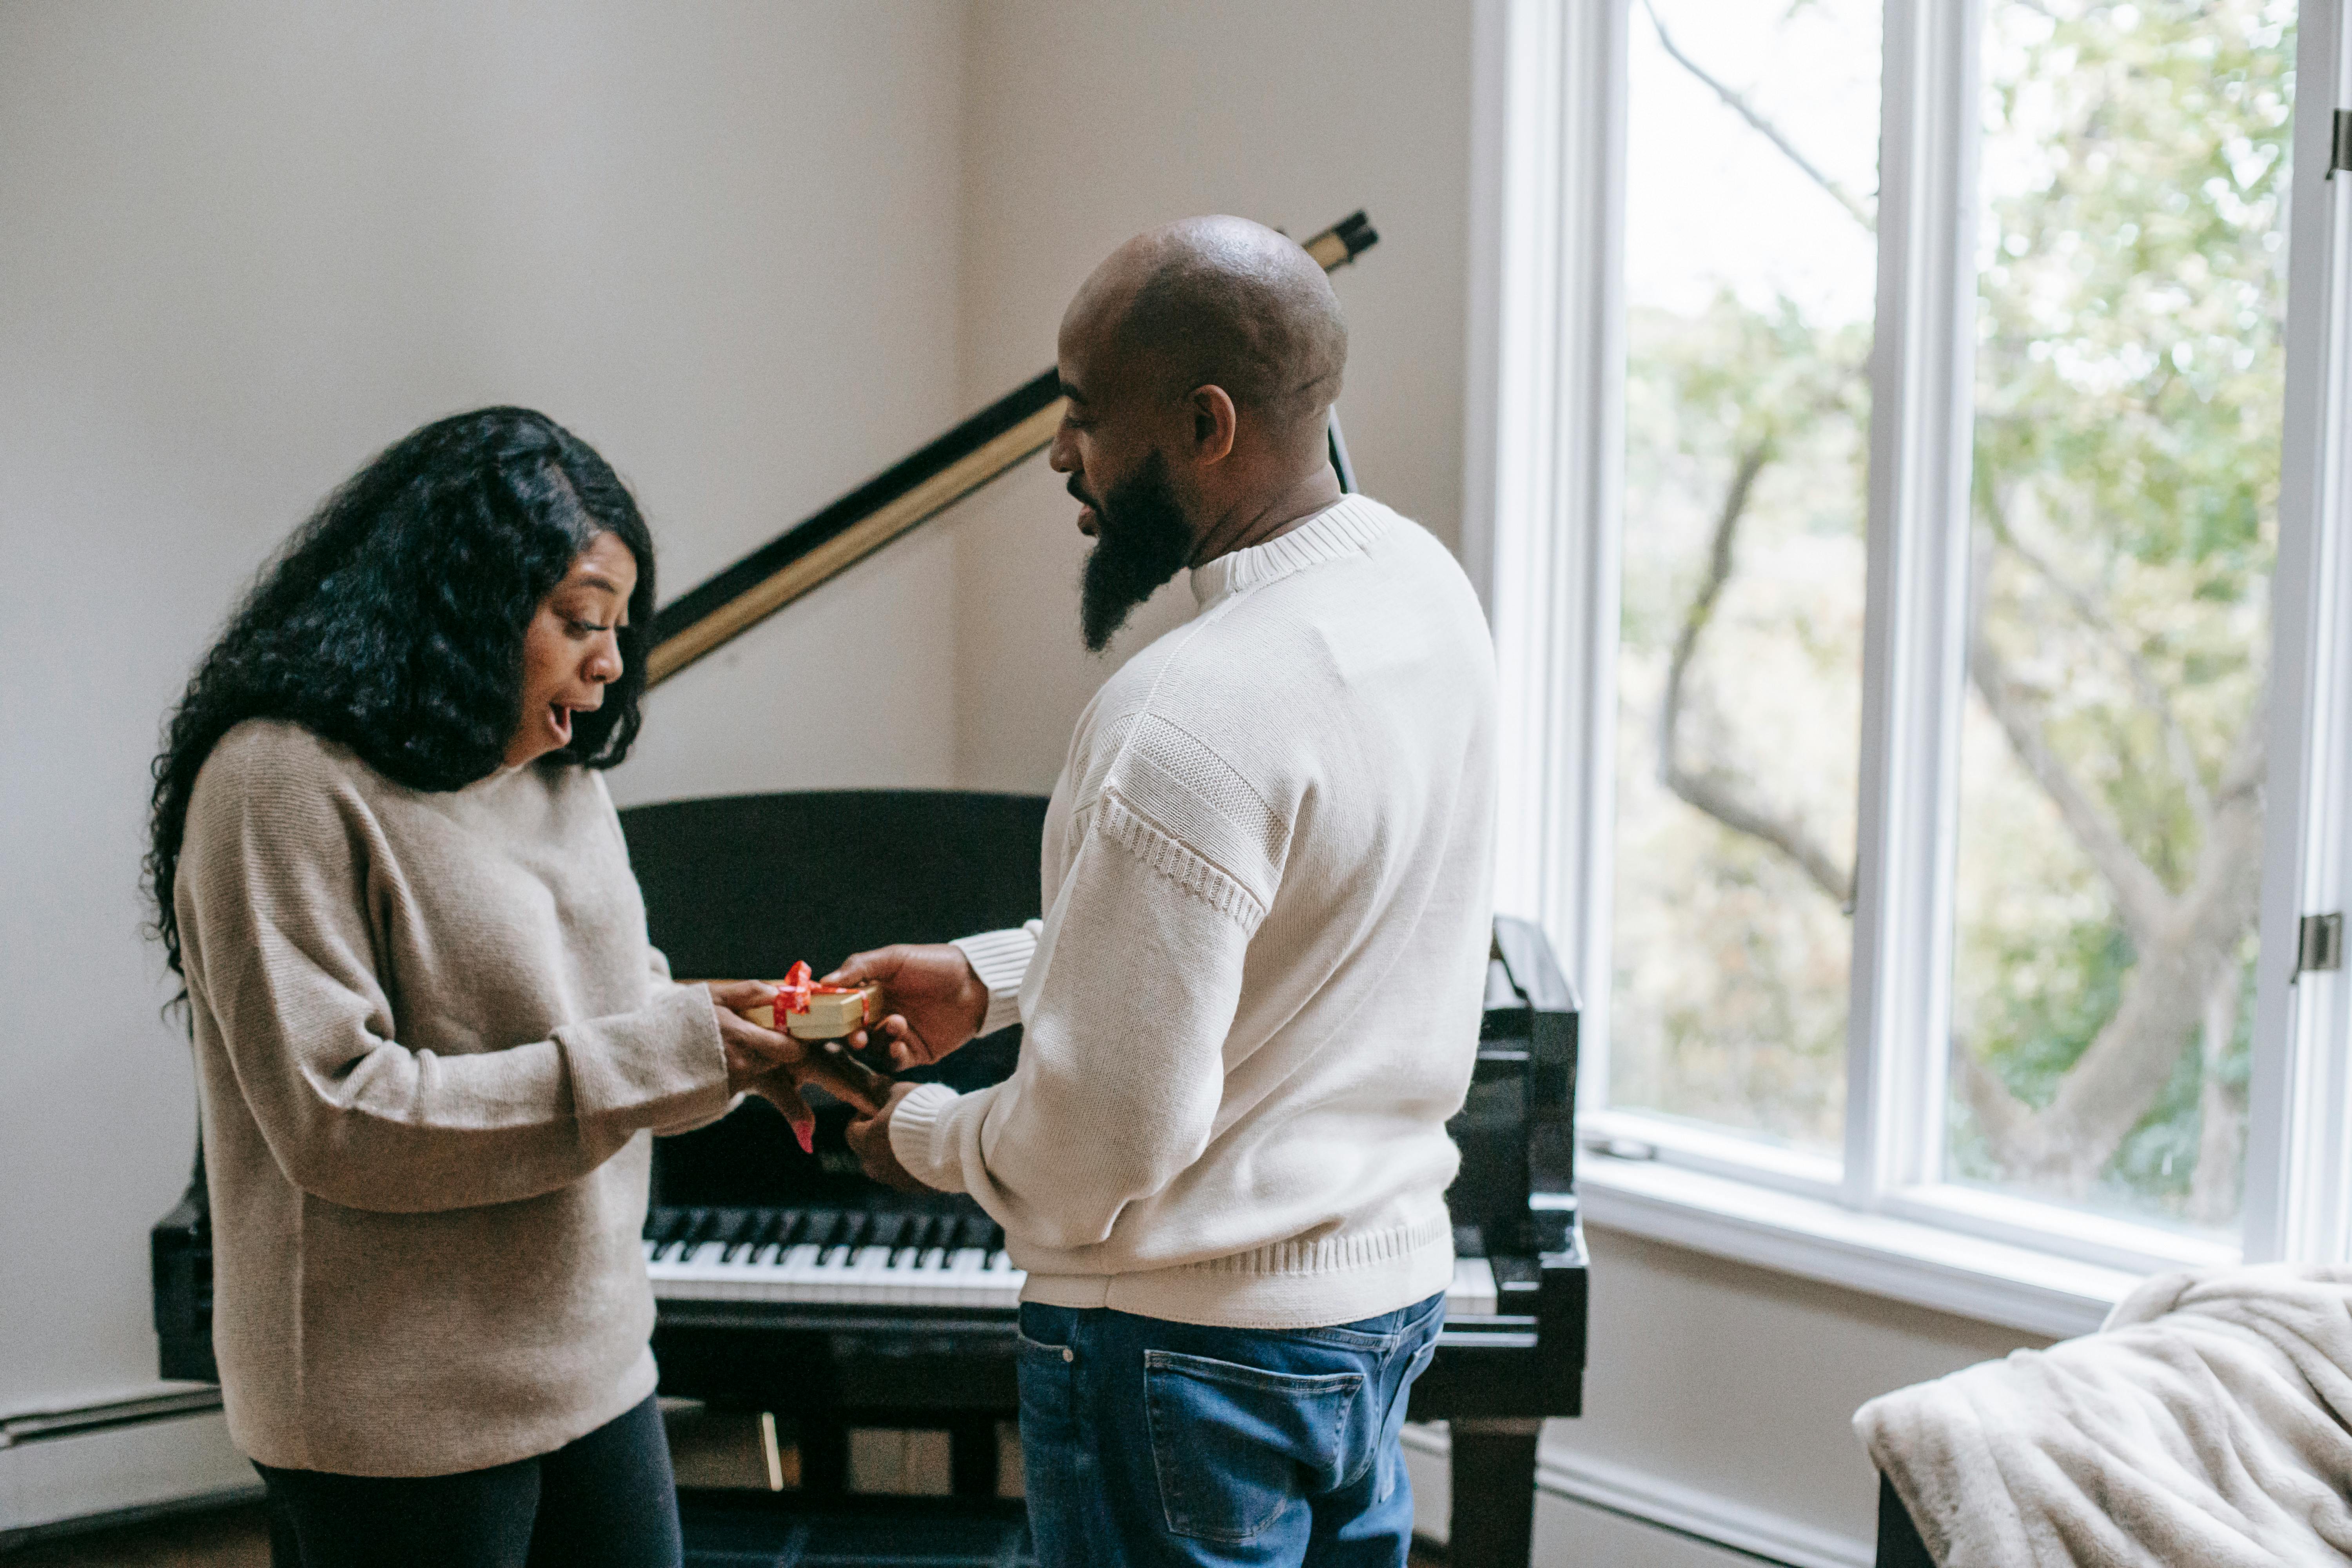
1547,443
1914,634
2298,1201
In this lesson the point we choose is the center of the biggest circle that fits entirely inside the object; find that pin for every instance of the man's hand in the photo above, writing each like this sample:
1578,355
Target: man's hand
933,1001
869,1140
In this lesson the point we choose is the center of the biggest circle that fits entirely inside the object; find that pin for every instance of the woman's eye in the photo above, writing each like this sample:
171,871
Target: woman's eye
587,629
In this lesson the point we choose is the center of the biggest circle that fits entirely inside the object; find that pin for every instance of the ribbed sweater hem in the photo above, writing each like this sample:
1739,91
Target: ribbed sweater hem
342,1442
1162,853
1287,1285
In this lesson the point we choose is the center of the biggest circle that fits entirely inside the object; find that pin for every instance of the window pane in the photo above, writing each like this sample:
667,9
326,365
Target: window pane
1751,267
2132,261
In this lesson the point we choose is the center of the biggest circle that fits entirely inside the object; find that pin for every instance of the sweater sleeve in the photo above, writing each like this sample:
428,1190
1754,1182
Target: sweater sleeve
273,897
1131,996
1000,959
701,1116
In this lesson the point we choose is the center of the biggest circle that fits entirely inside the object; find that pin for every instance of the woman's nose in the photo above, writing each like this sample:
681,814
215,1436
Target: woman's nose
604,663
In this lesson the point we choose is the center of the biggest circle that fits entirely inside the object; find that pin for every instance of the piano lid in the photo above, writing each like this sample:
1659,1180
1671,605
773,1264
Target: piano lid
903,496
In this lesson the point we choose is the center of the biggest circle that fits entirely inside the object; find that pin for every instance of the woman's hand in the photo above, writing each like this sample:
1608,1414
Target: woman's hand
934,1001
753,1052
772,1066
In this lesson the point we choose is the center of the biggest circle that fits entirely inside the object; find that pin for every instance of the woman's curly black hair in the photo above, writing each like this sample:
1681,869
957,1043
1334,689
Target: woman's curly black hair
393,621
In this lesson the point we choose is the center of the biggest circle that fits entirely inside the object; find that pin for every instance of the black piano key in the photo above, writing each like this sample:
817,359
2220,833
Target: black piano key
884,1228
728,1224
852,1233
819,1229
689,1235
661,1222
754,1235
922,1230
975,1231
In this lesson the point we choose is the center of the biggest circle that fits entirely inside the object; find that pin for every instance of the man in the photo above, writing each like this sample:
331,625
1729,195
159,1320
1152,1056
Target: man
1254,1000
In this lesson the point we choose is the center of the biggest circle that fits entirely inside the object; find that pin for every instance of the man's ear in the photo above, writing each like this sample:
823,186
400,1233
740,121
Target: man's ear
1215,424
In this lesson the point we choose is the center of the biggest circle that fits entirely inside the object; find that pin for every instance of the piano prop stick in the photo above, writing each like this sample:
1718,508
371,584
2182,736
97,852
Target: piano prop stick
825,1017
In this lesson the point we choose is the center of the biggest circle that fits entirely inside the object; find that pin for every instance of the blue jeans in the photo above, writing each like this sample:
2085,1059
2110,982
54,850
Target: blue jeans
1145,1443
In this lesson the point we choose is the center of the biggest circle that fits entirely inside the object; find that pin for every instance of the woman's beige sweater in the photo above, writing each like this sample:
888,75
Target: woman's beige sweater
430,1039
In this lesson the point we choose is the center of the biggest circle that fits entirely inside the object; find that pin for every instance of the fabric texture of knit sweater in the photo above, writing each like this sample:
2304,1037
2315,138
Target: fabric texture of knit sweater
1254,999
431,1037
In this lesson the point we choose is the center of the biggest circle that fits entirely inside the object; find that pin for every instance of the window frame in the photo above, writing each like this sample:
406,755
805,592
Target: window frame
1545,446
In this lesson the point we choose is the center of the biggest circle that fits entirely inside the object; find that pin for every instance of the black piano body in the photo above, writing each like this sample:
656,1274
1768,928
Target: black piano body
867,1348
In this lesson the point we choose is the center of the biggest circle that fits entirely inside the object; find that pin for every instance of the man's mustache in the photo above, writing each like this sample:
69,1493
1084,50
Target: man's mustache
1078,494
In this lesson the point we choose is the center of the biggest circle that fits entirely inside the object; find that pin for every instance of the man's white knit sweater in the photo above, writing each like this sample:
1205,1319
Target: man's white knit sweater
1254,1000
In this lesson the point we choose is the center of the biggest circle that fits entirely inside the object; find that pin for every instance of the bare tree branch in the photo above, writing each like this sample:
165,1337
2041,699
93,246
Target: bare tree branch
2141,897
1713,790
2115,1081
2184,980
2250,758
2178,752
2220,1120
1737,103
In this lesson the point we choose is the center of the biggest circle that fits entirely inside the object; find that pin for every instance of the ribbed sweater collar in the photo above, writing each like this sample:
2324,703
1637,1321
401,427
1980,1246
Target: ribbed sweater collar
1342,529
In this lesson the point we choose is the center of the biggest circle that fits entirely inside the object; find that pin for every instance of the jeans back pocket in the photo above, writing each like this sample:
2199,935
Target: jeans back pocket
1233,1444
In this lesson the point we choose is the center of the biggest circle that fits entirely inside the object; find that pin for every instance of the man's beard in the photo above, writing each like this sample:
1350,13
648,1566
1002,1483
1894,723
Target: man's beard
1141,540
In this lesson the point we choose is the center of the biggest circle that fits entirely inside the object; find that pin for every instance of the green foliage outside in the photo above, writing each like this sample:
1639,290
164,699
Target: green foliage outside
2131,259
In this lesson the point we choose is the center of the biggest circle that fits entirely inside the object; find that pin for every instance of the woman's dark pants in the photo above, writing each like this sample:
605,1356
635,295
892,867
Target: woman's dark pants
606,1500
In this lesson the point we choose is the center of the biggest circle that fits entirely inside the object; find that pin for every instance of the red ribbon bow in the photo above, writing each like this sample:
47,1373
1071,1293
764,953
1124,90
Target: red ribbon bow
793,995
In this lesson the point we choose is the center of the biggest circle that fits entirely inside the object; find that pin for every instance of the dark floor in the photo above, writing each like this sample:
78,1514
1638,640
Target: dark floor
223,1538
220,1538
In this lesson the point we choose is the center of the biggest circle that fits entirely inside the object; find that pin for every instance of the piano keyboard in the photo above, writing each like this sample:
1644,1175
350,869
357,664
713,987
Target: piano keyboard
881,1258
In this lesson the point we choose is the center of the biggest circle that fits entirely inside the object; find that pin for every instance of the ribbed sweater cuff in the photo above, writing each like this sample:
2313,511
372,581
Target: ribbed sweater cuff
917,1136
1000,959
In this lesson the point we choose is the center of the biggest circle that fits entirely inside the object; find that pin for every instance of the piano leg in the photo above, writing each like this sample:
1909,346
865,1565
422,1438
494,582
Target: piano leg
1494,1472
973,1457
824,1456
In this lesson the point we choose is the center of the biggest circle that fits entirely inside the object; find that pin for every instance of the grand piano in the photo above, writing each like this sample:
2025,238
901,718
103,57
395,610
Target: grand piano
786,1282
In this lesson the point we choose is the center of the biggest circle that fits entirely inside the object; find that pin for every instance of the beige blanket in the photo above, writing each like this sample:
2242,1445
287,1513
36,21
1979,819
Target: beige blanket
2207,1423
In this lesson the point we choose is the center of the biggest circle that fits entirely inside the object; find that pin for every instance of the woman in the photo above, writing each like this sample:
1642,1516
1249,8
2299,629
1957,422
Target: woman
428,1026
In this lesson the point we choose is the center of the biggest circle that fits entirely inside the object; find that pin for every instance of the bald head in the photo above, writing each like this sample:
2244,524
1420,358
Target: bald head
1226,302
1198,366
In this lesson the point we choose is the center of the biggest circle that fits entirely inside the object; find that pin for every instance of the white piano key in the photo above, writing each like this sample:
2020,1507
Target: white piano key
870,1276
1472,1292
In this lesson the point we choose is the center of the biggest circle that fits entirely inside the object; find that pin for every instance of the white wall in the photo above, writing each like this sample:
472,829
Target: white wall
1085,121
242,246
1713,1385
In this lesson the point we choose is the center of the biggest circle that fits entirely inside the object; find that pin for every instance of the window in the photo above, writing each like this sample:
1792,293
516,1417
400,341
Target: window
2129,385
1749,274
1914,541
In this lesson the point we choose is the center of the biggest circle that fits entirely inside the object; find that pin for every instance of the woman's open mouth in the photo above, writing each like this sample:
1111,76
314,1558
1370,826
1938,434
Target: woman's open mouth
559,720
